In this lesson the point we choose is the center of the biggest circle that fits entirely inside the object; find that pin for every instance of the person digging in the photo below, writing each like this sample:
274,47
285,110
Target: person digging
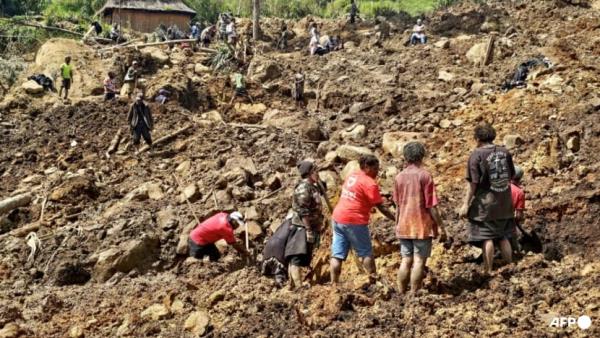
220,226
140,121
239,84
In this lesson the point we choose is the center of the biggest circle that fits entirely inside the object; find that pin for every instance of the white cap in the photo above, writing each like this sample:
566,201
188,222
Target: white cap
238,217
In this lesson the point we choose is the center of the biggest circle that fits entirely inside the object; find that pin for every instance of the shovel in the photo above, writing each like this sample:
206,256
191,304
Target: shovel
530,241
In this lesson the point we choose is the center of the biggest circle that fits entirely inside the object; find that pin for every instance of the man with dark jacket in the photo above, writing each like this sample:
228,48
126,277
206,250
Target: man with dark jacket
140,121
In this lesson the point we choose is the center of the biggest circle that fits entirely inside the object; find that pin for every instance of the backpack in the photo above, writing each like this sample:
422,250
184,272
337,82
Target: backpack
498,170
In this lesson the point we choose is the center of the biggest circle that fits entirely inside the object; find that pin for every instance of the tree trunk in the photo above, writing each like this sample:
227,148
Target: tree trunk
255,19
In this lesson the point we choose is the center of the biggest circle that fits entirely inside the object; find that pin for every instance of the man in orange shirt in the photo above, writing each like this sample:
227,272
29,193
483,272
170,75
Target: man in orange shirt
360,193
417,218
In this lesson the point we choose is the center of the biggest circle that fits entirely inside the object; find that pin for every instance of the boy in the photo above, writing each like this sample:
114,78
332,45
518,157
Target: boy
66,72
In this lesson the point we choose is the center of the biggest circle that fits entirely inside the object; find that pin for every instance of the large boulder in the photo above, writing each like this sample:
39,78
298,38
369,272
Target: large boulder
263,70
477,53
393,142
354,133
350,167
134,254
156,54
348,152
32,87
182,245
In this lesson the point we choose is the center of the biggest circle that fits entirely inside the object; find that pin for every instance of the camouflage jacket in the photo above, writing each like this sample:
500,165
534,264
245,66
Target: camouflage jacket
307,204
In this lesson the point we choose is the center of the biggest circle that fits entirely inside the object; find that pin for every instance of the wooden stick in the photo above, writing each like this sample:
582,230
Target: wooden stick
215,199
270,194
489,51
43,208
186,199
114,144
166,138
45,27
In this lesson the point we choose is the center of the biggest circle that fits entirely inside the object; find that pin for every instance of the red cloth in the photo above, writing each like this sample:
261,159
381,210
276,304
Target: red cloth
360,193
518,197
414,194
212,230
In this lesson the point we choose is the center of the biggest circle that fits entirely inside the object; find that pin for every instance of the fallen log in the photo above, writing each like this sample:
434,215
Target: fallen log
14,202
21,23
489,52
114,144
121,45
165,139
150,44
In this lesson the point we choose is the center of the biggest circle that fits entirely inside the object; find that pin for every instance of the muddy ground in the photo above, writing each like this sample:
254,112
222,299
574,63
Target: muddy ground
109,259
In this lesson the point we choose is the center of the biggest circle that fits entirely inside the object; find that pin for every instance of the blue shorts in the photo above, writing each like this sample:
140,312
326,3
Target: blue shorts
346,236
410,247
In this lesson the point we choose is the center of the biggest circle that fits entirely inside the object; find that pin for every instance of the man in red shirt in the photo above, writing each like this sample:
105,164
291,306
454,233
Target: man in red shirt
417,218
220,226
518,201
360,193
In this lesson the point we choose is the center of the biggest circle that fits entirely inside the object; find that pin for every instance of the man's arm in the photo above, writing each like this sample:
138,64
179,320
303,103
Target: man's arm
239,247
386,212
435,214
464,210
519,215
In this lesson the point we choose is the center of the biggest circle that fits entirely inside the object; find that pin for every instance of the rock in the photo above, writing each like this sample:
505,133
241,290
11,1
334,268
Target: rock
273,182
251,214
10,330
553,83
442,43
489,26
250,112
138,194
32,87
445,123
393,142
155,312
331,157
190,193
263,70
354,132
445,76
167,219
182,245
350,167
177,307
331,180
154,191
513,141
574,143
213,116
358,107
216,297
348,153
254,230
242,194
184,167
312,131
76,332
201,69
74,188
135,254
457,122
477,53
245,163
197,323
390,107
157,54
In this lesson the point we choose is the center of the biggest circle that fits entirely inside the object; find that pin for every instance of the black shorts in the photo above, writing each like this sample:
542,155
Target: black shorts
199,251
109,96
66,83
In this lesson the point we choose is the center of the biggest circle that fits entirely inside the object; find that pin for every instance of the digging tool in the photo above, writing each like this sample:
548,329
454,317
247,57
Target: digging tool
324,195
188,202
530,241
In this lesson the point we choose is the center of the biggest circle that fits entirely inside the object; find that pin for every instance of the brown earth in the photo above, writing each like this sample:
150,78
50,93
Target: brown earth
108,265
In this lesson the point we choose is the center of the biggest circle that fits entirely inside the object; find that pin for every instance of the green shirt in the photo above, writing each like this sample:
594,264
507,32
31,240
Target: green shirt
66,71
239,81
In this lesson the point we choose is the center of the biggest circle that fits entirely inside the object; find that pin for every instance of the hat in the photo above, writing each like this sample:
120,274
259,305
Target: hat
518,173
238,217
305,168
134,63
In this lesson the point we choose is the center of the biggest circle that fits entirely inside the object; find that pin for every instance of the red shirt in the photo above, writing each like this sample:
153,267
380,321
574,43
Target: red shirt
360,193
414,194
518,197
212,230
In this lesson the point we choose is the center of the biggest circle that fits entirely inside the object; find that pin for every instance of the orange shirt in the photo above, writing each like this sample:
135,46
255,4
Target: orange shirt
360,193
414,194
518,197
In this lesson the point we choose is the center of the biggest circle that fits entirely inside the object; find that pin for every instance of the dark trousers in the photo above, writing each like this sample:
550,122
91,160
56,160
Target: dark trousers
199,251
141,131
109,96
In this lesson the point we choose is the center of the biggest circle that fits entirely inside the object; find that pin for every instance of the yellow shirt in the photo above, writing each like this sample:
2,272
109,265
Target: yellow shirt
66,71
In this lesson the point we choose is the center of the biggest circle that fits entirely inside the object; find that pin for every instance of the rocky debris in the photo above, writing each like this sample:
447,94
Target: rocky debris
72,274
273,182
476,54
167,219
32,87
393,142
263,70
442,43
11,330
182,244
197,323
201,69
156,54
348,152
75,187
190,193
573,143
76,332
355,132
254,230
445,76
513,141
134,254
216,297
554,83
155,312
350,167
